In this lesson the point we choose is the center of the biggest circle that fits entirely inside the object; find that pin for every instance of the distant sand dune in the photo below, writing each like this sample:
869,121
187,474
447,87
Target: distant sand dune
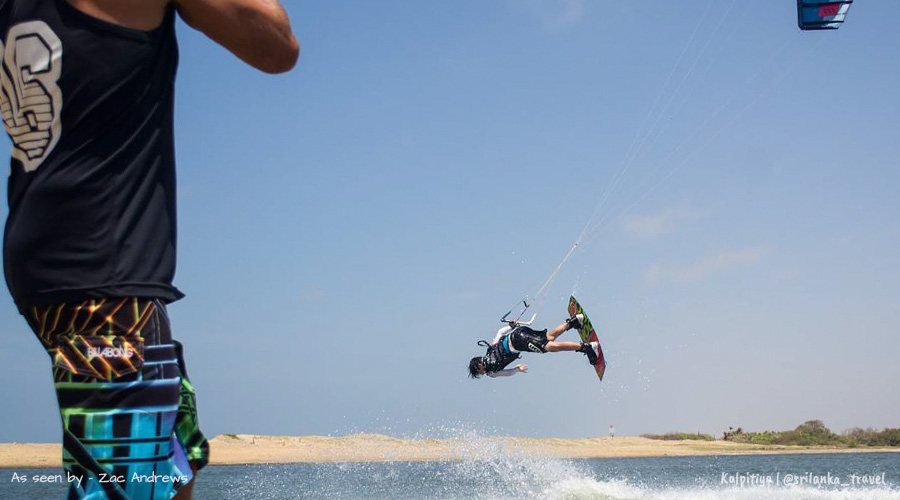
230,449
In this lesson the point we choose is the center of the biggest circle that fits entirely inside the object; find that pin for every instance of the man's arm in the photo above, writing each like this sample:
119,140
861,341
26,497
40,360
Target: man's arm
508,372
257,31
500,333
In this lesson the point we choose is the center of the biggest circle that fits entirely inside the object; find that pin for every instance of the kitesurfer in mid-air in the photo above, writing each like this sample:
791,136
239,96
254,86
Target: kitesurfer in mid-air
515,338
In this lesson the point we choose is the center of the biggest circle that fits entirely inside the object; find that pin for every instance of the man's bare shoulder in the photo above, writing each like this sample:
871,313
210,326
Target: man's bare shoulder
257,31
142,15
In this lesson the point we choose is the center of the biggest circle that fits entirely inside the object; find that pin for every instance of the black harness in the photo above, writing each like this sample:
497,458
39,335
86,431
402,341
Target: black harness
496,358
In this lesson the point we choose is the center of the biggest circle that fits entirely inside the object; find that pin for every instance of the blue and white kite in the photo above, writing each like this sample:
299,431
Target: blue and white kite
819,15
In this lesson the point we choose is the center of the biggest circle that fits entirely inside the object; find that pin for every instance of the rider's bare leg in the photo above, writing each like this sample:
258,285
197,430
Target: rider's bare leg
562,346
556,332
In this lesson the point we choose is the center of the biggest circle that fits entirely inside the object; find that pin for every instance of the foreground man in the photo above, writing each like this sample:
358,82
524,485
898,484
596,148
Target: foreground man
87,94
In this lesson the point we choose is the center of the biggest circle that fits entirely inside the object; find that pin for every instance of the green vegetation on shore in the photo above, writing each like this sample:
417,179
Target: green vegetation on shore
809,433
679,436
814,433
870,437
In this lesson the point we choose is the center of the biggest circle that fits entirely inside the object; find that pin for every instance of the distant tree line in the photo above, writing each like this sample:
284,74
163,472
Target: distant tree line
679,436
814,433
809,433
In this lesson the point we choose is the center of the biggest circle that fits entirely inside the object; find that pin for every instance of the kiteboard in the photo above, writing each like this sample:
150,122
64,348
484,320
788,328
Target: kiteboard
588,334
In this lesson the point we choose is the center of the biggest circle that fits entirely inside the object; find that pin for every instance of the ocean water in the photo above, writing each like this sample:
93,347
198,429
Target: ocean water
502,476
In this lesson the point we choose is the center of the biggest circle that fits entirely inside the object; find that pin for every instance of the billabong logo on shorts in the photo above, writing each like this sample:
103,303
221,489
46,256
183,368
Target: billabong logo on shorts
109,352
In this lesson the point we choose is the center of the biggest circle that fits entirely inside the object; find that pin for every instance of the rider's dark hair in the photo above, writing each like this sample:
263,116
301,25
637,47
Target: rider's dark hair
474,363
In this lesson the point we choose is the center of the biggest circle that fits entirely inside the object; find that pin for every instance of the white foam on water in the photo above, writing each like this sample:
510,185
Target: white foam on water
500,470
589,489
493,468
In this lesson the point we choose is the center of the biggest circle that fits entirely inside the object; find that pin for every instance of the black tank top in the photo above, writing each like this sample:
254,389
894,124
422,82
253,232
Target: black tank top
89,108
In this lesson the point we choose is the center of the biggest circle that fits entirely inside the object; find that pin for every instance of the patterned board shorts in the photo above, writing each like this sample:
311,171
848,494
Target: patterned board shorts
130,428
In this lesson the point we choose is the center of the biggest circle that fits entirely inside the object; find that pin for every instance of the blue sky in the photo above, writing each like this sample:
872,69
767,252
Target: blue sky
348,231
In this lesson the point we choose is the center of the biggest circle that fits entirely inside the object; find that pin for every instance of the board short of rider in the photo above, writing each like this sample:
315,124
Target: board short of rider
524,339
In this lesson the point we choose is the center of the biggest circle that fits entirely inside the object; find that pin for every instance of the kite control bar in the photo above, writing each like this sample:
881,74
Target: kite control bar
516,321
526,323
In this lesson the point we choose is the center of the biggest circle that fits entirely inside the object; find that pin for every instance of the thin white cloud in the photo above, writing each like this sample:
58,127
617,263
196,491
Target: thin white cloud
703,267
572,11
312,295
653,274
655,225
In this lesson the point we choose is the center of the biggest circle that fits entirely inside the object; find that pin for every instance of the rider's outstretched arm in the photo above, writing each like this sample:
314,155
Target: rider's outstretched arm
509,372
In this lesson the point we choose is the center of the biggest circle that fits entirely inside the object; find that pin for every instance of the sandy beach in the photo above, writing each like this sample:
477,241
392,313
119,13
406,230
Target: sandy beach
237,449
